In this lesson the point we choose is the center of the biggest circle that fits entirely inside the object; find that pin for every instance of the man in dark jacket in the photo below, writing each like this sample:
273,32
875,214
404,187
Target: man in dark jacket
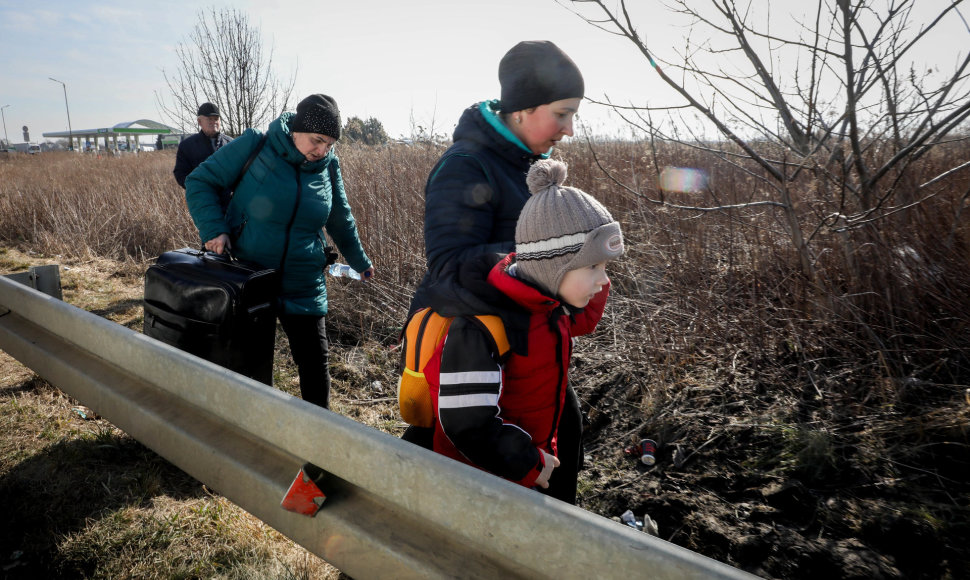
199,147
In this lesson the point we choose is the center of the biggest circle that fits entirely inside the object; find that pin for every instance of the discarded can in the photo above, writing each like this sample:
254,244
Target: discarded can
647,449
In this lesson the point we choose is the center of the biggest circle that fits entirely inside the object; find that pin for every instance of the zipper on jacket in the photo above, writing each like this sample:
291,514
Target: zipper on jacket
239,229
561,381
289,226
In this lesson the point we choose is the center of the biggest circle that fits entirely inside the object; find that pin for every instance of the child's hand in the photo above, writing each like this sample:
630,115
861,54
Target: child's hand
551,462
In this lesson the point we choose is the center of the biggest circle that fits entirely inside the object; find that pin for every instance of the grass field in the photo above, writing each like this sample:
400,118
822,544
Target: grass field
813,419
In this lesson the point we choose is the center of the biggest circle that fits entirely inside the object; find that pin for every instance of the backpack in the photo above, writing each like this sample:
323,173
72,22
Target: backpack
422,335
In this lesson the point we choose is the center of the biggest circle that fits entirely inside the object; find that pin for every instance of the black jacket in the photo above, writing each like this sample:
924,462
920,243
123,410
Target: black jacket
474,194
192,152
462,289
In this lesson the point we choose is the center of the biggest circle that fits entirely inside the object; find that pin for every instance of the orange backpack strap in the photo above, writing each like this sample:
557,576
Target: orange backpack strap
423,333
496,330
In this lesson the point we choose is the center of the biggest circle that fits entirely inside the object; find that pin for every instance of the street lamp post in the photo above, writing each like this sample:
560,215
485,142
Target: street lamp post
70,132
5,138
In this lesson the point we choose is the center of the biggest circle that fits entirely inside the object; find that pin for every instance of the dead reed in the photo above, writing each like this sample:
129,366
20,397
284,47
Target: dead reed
715,341
692,280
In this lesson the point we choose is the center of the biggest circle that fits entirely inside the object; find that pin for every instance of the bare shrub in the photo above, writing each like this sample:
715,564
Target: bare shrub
712,342
728,277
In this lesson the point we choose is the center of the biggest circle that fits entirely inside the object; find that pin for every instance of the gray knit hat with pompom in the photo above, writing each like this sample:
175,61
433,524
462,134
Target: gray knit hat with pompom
561,229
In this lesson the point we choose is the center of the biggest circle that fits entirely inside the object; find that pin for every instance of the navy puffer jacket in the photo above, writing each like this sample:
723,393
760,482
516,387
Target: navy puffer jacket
474,194
278,212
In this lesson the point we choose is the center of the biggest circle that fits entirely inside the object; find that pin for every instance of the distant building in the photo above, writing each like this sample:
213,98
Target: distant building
26,147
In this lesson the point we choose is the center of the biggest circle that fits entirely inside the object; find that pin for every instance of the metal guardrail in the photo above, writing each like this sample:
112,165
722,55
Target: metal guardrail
392,509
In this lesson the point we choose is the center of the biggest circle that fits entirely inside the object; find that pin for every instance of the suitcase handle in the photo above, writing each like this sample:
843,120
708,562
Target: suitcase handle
226,256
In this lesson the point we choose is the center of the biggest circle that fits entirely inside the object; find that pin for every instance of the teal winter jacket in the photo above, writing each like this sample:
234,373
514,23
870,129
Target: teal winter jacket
278,212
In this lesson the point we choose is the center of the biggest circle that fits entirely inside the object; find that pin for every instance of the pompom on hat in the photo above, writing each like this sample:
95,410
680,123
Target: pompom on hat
561,229
537,72
317,114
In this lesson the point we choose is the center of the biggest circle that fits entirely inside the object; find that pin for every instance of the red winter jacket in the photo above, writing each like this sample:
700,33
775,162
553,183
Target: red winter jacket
496,415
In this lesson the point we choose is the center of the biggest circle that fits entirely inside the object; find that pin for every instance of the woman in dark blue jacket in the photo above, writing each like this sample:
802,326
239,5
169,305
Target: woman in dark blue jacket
290,193
475,192
477,189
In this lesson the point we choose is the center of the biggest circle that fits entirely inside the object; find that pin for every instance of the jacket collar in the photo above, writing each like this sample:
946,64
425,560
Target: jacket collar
490,112
480,128
282,139
524,294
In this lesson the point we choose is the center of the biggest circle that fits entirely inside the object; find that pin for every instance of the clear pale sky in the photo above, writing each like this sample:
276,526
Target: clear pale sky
390,59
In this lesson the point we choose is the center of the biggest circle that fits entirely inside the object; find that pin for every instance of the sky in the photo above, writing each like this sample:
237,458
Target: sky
407,63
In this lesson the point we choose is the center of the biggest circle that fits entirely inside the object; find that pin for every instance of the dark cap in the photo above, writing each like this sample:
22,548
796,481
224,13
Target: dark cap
208,110
537,72
317,114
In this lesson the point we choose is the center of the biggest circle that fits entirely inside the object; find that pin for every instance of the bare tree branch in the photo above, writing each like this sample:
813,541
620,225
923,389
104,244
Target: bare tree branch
222,61
835,98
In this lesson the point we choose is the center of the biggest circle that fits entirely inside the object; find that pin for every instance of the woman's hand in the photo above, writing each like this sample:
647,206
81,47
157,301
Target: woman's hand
218,244
551,462
367,274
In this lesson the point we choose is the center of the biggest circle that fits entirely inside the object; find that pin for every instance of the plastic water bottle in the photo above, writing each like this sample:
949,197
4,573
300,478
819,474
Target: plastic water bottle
629,519
343,270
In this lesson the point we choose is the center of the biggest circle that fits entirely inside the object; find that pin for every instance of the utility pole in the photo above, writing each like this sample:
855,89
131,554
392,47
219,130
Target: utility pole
70,132
6,139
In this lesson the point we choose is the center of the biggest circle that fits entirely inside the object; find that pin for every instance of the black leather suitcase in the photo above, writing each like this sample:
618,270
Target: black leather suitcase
216,308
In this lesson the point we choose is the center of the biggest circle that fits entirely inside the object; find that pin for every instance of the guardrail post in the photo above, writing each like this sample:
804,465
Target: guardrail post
46,279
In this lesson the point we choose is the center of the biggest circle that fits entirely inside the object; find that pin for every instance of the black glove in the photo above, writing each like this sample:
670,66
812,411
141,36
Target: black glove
331,253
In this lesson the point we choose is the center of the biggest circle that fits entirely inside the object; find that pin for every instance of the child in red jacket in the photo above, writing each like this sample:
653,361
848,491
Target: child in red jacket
503,415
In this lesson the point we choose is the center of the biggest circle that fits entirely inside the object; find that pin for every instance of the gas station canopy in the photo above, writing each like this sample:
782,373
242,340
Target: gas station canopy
126,130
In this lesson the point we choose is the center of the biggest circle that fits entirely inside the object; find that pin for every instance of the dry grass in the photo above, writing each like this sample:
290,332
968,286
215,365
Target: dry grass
795,416
82,499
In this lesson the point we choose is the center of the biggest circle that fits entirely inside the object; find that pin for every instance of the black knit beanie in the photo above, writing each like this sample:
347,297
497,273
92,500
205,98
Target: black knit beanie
537,72
317,114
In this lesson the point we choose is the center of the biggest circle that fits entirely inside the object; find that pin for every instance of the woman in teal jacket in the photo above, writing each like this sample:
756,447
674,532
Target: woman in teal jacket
288,195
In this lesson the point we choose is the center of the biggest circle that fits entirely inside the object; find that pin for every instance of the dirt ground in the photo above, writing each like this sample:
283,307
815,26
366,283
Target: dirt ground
882,497
782,483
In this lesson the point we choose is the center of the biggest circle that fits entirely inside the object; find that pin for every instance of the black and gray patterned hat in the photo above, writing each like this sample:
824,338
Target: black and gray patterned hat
561,229
317,114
